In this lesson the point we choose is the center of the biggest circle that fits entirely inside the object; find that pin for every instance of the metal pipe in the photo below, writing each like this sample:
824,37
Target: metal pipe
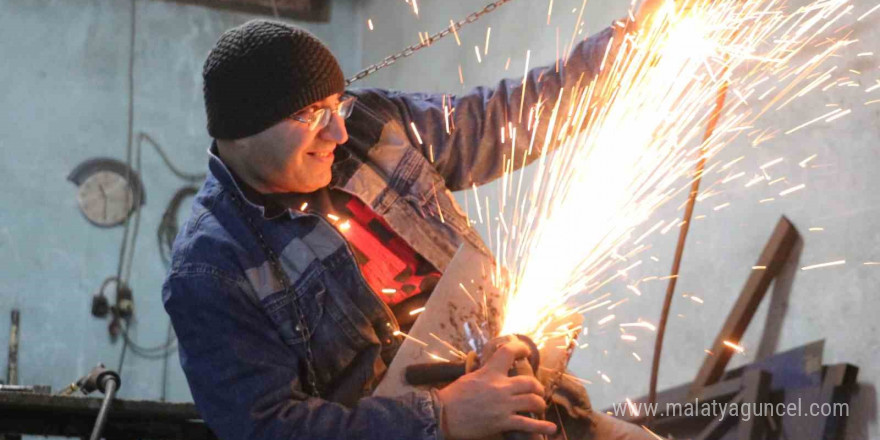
12,366
109,394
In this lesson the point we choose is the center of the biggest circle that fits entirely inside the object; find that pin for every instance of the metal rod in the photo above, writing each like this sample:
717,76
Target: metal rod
109,394
12,365
679,248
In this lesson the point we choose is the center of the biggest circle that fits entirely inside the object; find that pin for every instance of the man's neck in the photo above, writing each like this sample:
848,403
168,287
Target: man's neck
242,169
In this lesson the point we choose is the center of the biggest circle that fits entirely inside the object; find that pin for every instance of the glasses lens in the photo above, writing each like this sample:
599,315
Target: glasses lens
346,106
320,118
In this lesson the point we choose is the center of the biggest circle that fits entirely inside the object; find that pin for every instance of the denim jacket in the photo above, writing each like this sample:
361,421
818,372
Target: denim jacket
241,345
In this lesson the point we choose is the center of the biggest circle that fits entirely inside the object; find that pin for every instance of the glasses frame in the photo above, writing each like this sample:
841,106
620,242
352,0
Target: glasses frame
319,118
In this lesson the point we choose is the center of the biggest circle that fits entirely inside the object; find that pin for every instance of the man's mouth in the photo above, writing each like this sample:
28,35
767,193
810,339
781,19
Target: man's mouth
323,156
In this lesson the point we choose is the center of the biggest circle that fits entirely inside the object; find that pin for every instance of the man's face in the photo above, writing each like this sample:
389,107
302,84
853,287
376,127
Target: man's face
290,157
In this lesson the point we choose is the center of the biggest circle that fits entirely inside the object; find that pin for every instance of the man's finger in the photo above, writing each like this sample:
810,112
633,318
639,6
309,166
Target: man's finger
503,358
525,384
517,422
530,403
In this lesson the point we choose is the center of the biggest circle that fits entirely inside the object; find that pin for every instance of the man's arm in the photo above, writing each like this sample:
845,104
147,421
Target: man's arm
245,380
472,151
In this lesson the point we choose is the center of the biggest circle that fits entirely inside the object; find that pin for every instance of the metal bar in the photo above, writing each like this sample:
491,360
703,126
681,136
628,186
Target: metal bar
836,378
12,365
756,391
773,258
719,425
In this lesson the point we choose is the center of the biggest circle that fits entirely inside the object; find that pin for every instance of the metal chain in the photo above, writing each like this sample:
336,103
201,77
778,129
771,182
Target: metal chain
389,60
302,325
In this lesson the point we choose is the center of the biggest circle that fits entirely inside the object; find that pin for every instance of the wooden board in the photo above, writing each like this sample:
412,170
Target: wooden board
465,292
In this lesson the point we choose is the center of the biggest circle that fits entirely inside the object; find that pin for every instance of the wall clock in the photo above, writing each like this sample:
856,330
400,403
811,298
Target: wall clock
109,191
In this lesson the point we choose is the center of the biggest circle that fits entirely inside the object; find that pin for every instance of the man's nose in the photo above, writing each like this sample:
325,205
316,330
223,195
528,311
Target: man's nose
335,130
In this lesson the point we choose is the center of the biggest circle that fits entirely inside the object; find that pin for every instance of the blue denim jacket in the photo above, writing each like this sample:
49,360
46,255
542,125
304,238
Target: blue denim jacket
241,346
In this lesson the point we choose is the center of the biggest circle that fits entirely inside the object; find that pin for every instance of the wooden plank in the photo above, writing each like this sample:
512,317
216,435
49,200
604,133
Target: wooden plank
773,257
464,293
303,10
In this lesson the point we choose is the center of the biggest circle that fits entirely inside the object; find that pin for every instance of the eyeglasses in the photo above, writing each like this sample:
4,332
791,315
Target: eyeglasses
319,118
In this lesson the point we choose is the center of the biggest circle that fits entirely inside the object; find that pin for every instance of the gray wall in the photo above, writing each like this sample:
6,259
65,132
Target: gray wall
838,304
64,99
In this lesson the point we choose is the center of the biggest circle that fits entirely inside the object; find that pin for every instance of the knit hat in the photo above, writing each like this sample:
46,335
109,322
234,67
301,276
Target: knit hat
261,72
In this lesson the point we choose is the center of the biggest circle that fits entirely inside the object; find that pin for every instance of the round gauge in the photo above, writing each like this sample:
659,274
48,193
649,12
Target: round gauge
105,198
108,191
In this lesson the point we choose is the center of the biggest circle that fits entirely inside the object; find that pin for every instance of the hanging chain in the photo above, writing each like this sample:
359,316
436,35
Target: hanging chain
287,286
431,40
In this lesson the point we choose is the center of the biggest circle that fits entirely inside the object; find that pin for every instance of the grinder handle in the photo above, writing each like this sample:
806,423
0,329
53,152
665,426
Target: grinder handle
434,373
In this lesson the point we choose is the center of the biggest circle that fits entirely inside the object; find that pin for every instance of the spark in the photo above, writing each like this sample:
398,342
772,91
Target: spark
635,290
411,338
345,226
826,115
370,23
606,378
720,207
415,7
818,266
766,200
606,320
869,11
460,75
641,324
696,299
304,206
333,217
486,47
630,338
793,189
416,132
803,163
437,357
389,291
816,229
759,267
455,31
638,358
415,312
872,263
627,142
771,163
632,407
735,347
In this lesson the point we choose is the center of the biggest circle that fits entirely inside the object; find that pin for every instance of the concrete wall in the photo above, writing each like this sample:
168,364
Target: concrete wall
64,99
838,304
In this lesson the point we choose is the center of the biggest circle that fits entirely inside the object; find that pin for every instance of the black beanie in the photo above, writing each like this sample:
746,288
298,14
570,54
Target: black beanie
261,72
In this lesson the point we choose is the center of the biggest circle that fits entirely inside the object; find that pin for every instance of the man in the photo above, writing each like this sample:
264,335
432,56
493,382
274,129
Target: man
313,235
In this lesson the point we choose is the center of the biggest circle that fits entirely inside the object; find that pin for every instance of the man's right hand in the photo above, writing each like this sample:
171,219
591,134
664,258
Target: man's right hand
486,402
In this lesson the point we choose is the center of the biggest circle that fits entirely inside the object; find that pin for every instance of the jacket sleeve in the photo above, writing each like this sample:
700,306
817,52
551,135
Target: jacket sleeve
467,147
245,379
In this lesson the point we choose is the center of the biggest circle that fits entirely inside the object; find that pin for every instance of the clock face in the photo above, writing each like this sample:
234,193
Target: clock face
106,198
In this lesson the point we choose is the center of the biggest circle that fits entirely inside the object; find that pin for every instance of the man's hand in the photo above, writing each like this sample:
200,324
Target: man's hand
486,402
648,9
